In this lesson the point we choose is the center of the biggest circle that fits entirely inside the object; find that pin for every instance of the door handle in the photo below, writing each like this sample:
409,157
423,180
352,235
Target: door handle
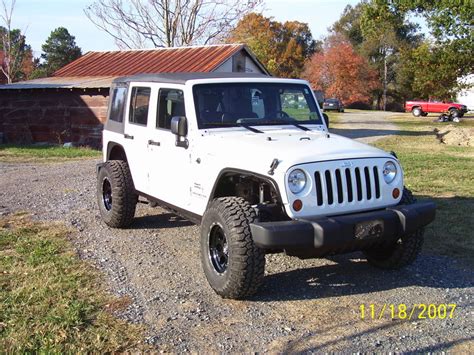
127,136
151,142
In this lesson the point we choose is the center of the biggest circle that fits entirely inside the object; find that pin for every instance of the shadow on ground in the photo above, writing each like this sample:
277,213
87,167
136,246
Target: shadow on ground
298,346
160,220
364,133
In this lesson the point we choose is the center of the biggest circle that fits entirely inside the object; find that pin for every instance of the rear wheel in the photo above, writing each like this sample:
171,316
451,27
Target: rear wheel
417,112
116,194
234,266
424,114
401,253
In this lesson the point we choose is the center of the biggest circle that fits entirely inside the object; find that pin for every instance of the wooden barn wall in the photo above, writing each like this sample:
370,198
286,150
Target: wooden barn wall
53,116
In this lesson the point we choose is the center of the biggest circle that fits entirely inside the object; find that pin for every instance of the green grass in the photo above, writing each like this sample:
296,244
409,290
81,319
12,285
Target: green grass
52,302
44,153
442,173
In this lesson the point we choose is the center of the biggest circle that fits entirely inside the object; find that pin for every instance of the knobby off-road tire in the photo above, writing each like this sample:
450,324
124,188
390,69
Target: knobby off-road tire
116,194
233,265
404,251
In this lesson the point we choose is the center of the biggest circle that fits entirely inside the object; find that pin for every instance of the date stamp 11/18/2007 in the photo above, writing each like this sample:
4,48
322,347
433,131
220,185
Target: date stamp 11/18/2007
402,311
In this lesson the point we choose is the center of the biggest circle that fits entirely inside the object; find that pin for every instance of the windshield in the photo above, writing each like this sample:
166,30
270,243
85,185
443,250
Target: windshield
254,104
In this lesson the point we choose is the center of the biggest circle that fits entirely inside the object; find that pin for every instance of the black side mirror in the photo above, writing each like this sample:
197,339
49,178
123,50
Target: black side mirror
179,126
326,119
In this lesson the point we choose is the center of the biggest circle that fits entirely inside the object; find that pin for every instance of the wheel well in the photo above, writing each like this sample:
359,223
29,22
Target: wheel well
259,191
453,108
116,152
414,107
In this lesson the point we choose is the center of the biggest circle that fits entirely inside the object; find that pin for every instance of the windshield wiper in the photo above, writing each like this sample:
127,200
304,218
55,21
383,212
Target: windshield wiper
303,128
254,130
299,126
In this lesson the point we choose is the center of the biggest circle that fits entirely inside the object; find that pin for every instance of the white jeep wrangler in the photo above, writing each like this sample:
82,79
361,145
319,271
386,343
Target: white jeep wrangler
250,158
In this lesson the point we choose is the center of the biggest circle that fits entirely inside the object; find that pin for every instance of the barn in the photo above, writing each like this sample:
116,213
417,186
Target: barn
71,106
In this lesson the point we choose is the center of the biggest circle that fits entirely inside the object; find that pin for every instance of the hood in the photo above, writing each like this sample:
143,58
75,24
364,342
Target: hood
291,146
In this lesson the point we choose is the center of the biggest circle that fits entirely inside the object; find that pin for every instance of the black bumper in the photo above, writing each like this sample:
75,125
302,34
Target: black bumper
331,235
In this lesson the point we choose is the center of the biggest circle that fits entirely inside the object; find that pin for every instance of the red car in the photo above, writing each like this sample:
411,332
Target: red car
422,108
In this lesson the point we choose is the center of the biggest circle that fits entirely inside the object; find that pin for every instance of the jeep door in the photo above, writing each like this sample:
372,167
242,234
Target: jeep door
135,133
169,164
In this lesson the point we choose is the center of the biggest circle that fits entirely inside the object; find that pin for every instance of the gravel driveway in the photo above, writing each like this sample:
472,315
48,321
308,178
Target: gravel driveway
311,305
365,126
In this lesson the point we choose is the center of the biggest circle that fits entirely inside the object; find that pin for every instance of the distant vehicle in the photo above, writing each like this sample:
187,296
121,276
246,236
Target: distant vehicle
422,108
333,104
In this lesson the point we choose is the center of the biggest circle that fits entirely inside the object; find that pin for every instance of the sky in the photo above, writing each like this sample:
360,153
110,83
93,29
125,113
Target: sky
37,18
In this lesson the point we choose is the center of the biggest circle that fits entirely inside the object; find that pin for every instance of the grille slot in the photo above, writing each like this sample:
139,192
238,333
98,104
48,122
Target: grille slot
340,194
347,185
350,195
319,188
367,183
359,184
377,182
329,187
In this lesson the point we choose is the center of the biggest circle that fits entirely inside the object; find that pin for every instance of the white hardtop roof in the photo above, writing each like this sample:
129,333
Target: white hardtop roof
195,78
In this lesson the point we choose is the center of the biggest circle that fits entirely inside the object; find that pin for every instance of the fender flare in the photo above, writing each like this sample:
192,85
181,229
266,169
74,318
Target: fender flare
231,171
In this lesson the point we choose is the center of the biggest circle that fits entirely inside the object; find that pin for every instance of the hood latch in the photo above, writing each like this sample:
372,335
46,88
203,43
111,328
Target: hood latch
273,166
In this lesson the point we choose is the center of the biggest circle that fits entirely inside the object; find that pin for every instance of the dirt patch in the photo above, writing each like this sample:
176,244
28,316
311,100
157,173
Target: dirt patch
452,135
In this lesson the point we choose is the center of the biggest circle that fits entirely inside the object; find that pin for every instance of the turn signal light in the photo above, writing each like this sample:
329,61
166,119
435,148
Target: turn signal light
395,193
297,205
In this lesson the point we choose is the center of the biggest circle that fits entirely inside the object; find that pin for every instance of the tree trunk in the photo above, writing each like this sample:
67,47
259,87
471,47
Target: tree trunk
385,81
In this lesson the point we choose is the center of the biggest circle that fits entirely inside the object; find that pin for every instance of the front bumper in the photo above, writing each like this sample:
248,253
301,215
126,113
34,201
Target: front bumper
334,235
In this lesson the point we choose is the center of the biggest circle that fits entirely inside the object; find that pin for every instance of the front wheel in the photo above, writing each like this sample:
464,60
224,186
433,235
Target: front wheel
454,113
234,266
401,253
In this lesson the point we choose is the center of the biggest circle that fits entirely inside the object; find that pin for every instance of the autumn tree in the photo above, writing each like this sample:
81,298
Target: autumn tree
168,23
340,72
282,47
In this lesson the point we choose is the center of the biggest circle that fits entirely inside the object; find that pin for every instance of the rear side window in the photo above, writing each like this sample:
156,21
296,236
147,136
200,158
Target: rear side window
170,104
119,95
139,104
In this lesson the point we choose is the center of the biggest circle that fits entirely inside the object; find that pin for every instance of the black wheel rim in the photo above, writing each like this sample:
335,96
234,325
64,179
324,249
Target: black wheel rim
218,249
107,194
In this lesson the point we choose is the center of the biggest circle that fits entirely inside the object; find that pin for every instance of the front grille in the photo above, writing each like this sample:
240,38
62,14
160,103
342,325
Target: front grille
347,185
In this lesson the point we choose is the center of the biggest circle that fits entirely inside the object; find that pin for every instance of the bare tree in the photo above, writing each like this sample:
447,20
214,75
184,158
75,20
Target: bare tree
12,62
168,23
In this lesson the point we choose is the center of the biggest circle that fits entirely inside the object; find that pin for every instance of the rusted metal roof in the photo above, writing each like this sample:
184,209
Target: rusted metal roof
84,82
162,60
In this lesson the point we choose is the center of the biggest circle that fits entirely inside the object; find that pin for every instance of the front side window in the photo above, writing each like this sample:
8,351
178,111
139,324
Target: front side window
255,104
139,104
170,104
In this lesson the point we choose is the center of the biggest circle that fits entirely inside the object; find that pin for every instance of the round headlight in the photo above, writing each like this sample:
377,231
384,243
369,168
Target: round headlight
389,172
297,181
